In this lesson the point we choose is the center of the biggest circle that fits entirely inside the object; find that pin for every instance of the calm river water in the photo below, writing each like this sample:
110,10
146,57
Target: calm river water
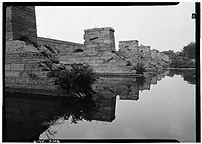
157,107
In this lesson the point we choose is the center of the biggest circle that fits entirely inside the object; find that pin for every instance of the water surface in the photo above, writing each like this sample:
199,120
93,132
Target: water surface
157,107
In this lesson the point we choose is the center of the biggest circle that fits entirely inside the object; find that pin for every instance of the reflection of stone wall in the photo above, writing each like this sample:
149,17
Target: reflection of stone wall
25,114
154,80
106,110
113,86
146,85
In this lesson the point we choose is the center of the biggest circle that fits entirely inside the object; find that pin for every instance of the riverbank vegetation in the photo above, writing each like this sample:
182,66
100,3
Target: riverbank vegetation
78,79
183,59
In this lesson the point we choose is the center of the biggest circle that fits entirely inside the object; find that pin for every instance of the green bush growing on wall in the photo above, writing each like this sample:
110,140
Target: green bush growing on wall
78,78
140,68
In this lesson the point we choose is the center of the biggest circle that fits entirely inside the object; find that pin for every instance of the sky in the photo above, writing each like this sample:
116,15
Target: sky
160,27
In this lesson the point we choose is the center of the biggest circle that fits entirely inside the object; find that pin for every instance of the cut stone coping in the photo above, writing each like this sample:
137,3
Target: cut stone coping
57,41
128,41
99,29
118,75
181,68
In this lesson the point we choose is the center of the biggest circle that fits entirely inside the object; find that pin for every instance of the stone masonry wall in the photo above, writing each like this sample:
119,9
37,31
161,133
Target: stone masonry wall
144,51
154,54
98,52
21,23
60,47
130,46
24,70
152,59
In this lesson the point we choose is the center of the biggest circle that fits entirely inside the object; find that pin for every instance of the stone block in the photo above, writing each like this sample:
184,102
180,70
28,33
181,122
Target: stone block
12,73
24,85
12,110
10,79
32,66
52,87
104,57
91,62
18,118
9,36
91,53
86,58
45,87
107,41
40,74
12,60
20,80
7,67
17,67
113,61
99,61
37,86
12,85
94,58
30,60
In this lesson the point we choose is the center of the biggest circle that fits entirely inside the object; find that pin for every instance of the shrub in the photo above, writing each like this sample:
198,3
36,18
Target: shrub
140,68
77,79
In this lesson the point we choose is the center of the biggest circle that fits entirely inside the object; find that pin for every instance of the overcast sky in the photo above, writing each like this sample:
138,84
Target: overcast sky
161,27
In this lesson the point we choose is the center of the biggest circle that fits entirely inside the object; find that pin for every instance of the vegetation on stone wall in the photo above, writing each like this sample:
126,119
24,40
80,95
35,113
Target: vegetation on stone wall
140,68
78,79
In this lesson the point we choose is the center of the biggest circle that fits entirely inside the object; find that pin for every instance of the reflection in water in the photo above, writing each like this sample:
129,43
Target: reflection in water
188,75
27,116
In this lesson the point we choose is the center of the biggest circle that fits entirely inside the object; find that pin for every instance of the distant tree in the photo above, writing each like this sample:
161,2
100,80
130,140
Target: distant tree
170,53
190,50
179,54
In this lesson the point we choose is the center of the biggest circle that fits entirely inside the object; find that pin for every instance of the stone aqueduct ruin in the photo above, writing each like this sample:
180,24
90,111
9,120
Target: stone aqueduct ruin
24,62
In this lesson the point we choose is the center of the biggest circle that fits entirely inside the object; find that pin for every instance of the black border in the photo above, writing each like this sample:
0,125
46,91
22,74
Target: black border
197,33
198,94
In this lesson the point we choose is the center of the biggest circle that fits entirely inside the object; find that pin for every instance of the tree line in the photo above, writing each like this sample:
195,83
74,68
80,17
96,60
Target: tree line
184,58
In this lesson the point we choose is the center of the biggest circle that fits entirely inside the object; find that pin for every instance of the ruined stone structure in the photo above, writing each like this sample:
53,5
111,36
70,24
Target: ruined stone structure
130,45
23,61
25,65
98,51
144,51
21,24
152,59
60,47
154,54
24,70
